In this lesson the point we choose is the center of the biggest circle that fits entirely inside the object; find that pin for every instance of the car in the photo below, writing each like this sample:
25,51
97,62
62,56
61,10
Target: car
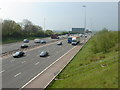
18,54
43,54
43,42
85,36
24,45
37,40
59,43
81,35
26,41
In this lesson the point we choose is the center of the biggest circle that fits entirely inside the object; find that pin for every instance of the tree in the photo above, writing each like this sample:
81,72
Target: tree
49,32
9,27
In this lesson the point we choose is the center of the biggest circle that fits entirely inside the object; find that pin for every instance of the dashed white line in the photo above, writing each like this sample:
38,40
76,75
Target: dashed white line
46,68
37,63
17,74
2,71
23,62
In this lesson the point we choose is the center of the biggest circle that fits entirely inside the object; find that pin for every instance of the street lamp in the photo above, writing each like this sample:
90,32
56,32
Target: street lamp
44,27
44,23
84,22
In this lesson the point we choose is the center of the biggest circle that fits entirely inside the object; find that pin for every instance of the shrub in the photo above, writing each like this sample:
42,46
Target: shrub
104,40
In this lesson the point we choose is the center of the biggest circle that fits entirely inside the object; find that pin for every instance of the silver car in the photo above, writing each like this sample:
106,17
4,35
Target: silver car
43,54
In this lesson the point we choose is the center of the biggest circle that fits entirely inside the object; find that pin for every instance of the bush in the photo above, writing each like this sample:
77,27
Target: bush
104,40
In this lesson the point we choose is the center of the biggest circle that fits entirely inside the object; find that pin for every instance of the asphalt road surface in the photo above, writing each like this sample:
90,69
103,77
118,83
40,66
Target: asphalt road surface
14,46
18,71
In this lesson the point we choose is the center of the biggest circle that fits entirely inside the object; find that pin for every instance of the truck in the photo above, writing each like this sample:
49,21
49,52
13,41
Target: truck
54,36
69,39
75,40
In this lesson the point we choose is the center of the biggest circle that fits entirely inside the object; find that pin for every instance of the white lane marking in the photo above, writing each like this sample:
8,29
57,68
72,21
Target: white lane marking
43,46
2,71
36,48
60,70
17,74
12,60
23,62
37,63
46,68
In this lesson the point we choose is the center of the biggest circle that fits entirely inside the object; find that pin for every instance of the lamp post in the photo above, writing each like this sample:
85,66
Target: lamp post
44,27
44,23
84,22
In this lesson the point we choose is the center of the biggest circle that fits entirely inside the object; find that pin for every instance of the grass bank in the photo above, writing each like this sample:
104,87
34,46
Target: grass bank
90,69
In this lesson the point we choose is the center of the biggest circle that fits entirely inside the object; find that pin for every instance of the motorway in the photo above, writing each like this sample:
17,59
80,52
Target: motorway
14,46
18,71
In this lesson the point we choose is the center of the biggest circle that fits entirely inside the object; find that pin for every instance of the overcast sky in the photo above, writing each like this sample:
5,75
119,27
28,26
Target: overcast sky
63,15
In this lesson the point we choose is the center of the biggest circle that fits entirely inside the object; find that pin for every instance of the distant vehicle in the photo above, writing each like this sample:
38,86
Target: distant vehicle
24,45
59,43
37,40
26,41
43,54
43,42
75,40
81,35
18,54
54,36
85,36
69,39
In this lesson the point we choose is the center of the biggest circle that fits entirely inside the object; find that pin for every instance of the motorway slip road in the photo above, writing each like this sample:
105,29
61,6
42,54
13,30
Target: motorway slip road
43,79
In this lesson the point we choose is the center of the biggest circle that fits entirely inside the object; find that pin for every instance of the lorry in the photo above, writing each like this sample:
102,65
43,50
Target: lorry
54,36
69,39
75,40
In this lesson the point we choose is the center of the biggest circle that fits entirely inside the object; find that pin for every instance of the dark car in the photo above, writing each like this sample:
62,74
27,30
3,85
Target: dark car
43,54
24,45
59,43
43,42
26,41
18,54
85,36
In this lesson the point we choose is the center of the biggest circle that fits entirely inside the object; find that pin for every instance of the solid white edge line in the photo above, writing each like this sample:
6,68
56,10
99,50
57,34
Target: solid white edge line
45,69
60,70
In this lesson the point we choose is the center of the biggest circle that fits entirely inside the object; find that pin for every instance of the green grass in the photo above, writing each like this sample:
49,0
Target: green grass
12,40
85,71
